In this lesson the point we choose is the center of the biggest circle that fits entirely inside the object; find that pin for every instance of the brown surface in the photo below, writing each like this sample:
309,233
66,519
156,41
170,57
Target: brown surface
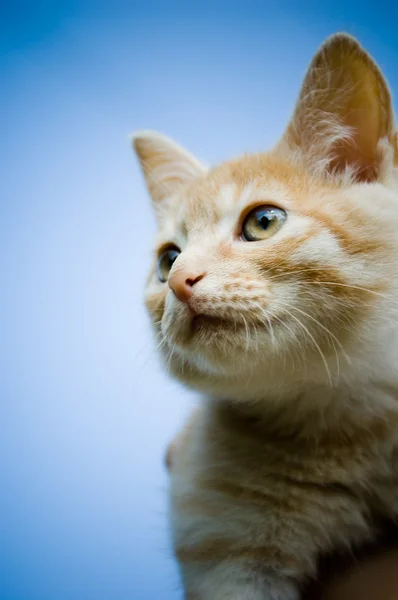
370,574
375,580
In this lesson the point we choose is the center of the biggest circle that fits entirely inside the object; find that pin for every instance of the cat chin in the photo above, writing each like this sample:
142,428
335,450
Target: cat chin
235,381
223,369
221,351
217,352
228,370
216,338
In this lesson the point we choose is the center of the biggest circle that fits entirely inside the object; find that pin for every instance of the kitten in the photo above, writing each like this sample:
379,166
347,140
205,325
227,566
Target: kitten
274,291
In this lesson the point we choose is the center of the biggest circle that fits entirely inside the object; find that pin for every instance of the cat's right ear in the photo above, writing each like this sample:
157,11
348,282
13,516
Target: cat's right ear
343,121
165,165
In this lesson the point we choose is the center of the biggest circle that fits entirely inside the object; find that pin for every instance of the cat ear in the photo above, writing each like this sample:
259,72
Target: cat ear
343,112
165,164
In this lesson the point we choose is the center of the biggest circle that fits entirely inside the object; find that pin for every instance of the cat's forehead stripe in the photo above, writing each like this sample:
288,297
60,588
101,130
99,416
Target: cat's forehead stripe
211,204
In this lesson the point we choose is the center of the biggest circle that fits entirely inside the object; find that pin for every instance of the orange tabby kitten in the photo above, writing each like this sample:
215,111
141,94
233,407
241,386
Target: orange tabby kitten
274,291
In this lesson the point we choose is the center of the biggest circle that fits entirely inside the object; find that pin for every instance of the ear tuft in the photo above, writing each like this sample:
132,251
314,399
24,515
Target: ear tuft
343,112
165,164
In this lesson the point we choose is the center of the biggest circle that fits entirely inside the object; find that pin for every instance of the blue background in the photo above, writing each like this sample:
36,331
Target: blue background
86,411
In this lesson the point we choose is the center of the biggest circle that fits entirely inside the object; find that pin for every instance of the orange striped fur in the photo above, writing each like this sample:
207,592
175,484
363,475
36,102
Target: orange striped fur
292,339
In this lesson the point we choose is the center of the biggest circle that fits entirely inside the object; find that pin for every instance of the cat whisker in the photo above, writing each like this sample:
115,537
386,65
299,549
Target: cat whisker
293,334
330,283
169,358
264,312
332,335
162,342
247,334
315,344
355,287
333,339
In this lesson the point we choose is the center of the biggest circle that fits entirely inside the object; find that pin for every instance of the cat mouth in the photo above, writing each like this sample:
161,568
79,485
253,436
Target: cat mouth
197,329
204,321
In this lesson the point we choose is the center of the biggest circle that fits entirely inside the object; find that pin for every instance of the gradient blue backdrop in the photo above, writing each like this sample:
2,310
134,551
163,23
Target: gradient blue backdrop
85,409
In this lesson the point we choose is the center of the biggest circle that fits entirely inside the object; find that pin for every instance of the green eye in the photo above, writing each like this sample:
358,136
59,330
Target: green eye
262,222
166,261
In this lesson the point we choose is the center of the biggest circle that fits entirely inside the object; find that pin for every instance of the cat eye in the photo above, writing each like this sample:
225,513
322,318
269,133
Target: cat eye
262,222
166,261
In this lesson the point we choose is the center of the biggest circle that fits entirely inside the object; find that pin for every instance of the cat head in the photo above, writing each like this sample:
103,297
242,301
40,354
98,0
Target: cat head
278,267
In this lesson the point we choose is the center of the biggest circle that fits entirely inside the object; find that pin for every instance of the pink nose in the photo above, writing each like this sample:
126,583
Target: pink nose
182,283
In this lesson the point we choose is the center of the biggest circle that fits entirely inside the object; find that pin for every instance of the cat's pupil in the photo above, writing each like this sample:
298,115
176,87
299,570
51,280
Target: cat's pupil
264,221
171,258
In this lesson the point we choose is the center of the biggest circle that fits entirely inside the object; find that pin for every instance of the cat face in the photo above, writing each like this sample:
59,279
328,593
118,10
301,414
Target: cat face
273,266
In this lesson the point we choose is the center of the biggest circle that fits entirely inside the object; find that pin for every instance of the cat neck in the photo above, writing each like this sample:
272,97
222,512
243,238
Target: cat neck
318,412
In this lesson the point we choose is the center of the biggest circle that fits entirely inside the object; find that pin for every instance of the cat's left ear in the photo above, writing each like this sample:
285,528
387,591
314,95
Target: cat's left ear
343,118
165,165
